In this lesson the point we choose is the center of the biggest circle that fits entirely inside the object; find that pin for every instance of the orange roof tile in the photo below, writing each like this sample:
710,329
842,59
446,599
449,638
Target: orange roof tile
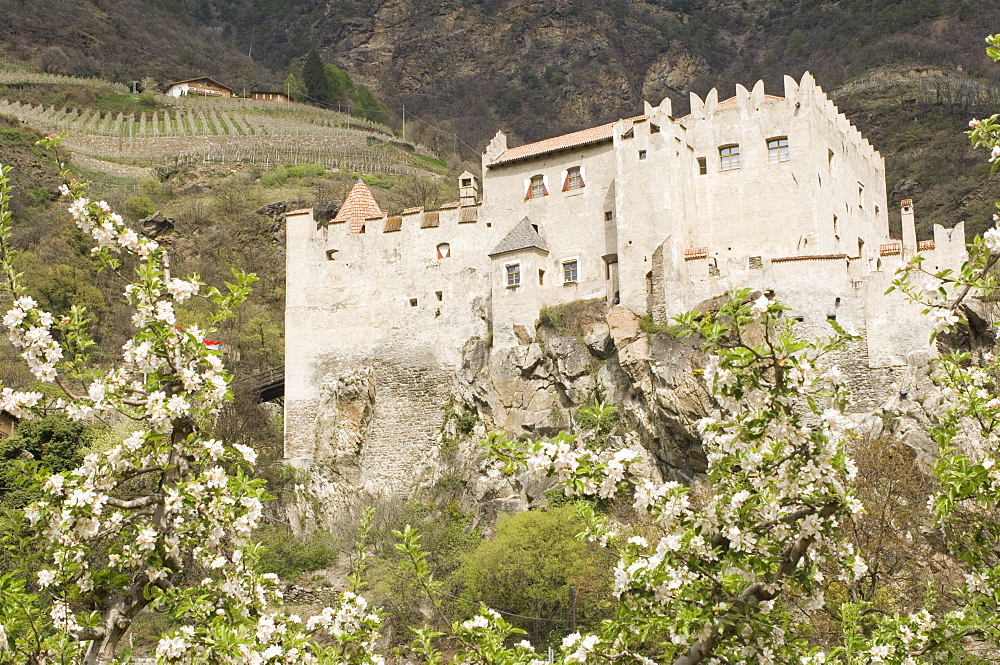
358,206
572,140
809,257
728,104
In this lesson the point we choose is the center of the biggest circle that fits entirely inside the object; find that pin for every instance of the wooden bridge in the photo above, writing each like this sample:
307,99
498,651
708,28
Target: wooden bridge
269,384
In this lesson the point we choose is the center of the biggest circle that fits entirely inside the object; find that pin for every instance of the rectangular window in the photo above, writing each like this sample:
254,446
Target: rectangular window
777,149
729,158
702,166
541,277
536,189
642,154
514,274
608,215
574,179
570,273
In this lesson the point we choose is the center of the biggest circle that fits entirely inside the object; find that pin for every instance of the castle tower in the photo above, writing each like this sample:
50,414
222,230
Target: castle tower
909,228
468,189
358,206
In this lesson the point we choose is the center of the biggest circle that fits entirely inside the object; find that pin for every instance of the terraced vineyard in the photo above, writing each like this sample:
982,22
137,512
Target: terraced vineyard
211,130
217,118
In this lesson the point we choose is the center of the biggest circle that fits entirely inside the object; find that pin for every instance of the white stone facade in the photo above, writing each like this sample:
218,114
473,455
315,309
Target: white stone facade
656,213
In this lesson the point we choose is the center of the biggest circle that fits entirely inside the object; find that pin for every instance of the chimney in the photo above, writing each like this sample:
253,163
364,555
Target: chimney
909,229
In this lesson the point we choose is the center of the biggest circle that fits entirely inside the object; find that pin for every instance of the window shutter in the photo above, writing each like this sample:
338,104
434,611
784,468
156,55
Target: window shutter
565,180
545,184
583,176
527,188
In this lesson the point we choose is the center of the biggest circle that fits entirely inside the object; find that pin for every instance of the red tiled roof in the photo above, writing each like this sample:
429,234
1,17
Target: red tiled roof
809,257
695,253
728,104
359,206
925,245
451,204
891,248
414,210
572,140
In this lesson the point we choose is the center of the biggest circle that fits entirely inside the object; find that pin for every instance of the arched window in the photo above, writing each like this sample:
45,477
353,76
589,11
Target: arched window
444,251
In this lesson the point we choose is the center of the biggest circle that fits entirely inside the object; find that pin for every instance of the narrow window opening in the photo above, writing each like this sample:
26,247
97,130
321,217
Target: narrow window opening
642,154
654,128
829,158
440,295
831,317
861,195
836,229
729,158
800,319
444,251
702,166
608,215
535,226
836,302
330,254
466,182
541,277
413,302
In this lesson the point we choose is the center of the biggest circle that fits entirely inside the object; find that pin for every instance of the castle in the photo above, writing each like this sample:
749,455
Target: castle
655,213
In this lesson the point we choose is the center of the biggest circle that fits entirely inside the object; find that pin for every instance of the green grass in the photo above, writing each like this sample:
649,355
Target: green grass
430,163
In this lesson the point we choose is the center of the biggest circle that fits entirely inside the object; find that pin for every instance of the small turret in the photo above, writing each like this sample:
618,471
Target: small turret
468,189
357,207
909,228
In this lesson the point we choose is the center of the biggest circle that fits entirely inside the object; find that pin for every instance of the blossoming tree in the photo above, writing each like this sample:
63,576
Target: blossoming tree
162,519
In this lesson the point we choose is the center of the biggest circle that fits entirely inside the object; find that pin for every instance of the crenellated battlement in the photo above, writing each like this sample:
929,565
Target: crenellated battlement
801,98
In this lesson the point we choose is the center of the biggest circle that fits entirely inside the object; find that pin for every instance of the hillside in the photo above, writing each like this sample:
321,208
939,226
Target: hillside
535,69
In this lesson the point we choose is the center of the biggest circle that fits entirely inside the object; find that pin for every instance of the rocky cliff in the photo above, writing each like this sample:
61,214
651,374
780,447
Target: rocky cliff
535,389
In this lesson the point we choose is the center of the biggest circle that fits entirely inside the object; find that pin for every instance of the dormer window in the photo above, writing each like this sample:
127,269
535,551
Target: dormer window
574,179
536,187
729,157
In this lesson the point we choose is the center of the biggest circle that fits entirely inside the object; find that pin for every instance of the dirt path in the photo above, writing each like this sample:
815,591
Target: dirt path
111,168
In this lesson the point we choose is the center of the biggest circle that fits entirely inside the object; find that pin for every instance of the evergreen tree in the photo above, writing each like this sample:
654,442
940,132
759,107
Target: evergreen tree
314,76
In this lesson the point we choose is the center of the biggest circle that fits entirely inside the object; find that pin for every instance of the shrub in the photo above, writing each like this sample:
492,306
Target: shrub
138,207
54,442
275,178
528,567
306,170
288,557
